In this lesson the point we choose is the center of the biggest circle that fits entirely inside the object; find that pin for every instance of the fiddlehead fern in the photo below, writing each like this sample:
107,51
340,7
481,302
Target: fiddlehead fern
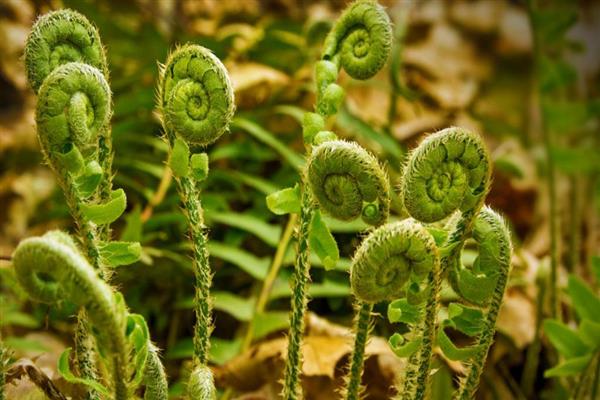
361,39
60,37
66,66
73,107
196,104
51,269
448,171
195,95
401,260
348,182
493,264
362,17
360,43
389,258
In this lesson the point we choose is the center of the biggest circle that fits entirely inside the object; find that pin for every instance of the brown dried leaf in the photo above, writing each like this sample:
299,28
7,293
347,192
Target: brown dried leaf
324,350
517,318
255,83
480,16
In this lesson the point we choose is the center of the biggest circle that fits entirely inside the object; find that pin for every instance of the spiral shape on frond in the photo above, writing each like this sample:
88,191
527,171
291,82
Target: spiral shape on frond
493,263
361,38
195,95
390,257
477,284
493,237
51,269
74,105
449,171
348,182
60,37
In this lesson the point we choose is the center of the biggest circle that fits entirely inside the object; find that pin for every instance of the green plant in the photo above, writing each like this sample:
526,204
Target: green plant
64,36
400,262
448,172
579,348
66,66
196,104
360,43
51,269
347,183
66,138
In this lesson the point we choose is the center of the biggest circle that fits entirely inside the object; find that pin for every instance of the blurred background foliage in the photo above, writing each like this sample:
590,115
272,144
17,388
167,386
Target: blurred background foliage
466,63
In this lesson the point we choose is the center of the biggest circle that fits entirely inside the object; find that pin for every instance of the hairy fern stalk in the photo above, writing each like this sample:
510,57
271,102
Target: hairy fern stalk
359,43
196,105
66,67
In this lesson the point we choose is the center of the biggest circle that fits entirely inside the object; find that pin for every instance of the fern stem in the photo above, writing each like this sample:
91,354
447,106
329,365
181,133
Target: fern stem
469,386
362,324
84,350
105,158
203,277
293,367
429,327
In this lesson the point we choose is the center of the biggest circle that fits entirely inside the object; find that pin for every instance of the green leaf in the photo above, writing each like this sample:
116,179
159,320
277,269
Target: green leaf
438,234
401,347
270,140
238,307
475,287
89,180
247,262
270,234
65,371
570,367
133,225
105,213
17,318
451,351
576,160
465,319
199,164
139,337
285,201
269,322
115,254
590,333
401,311
180,158
565,340
585,302
360,129
441,381
555,74
322,242
563,117
328,288
71,159
260,184
222,350
552,24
